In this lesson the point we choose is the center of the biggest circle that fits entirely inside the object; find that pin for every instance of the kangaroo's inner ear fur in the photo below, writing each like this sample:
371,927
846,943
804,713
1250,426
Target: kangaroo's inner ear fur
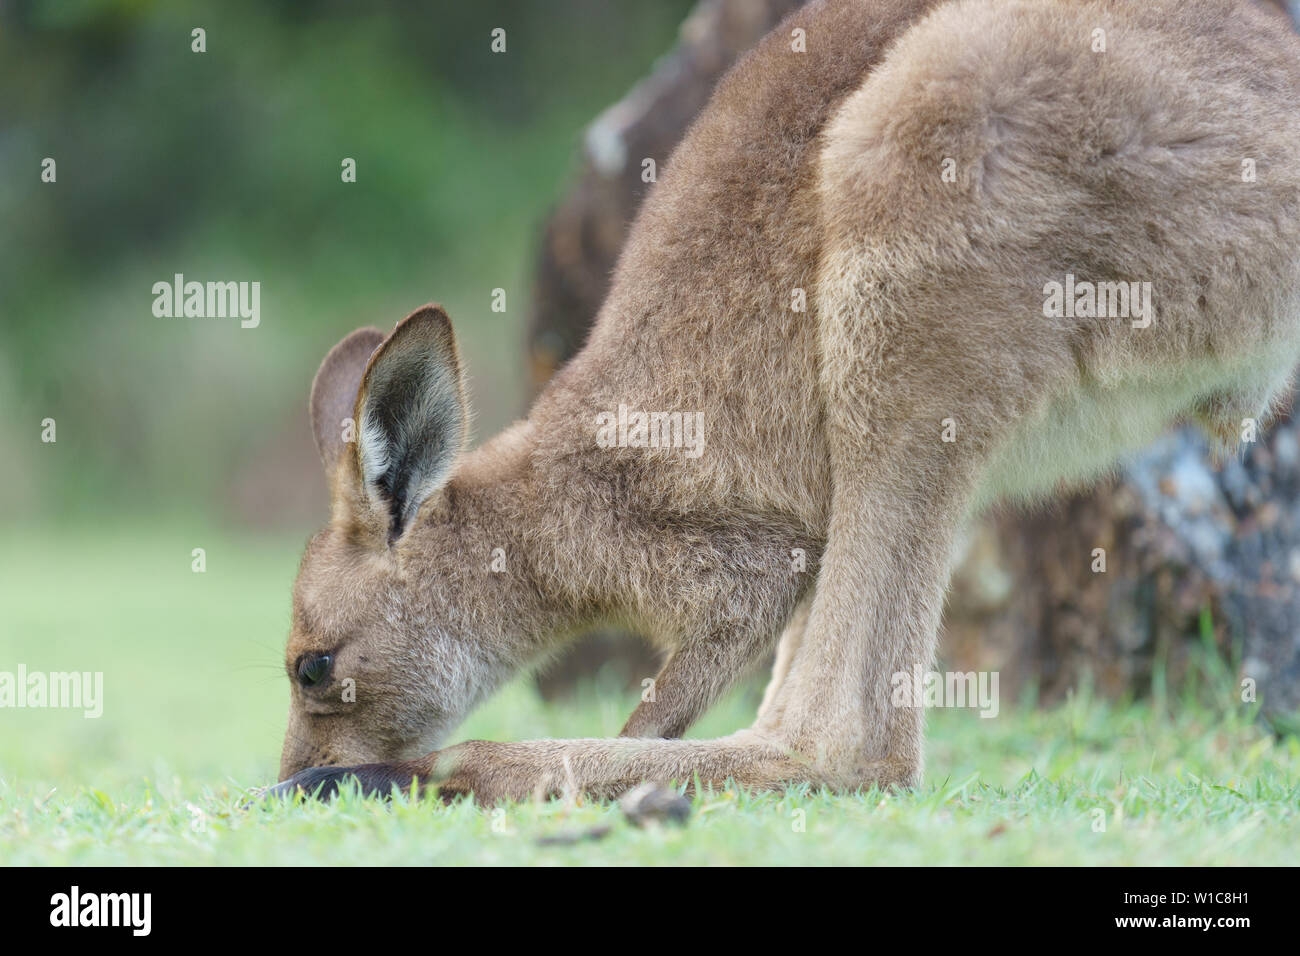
334,395
412,415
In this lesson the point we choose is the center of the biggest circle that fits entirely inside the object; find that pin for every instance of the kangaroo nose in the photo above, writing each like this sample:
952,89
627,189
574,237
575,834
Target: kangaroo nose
320,782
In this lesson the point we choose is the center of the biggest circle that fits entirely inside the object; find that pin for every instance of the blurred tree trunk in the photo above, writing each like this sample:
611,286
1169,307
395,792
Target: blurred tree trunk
1195,553
584,234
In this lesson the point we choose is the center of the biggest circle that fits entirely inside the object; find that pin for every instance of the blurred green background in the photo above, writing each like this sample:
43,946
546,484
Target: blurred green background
225,165
184,433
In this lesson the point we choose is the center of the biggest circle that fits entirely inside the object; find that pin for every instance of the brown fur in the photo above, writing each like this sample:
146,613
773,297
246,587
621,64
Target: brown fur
818,171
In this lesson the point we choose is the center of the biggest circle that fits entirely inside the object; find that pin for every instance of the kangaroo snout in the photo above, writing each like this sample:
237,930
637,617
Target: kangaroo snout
325,782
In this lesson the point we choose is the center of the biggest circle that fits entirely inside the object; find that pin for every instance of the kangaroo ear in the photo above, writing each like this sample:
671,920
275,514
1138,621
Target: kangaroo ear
334,395
413,418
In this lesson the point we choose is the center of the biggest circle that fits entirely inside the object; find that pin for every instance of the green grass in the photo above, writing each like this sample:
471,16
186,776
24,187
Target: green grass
194,707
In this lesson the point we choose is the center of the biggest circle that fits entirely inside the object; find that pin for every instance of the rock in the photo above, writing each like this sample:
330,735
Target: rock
655,803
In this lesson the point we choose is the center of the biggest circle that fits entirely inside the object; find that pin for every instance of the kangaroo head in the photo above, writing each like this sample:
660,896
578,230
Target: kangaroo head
391,642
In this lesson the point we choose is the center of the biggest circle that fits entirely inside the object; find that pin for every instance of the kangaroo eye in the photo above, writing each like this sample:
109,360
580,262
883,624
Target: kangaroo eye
313,669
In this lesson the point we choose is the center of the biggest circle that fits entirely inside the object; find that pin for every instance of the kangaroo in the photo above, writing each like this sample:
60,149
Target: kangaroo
914,258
